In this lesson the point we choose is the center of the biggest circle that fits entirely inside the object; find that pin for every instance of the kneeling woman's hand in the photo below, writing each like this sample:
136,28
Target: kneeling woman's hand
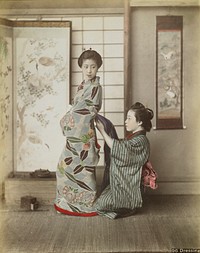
106,137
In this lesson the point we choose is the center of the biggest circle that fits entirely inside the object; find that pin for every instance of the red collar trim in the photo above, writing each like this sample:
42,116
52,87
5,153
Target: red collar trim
130,136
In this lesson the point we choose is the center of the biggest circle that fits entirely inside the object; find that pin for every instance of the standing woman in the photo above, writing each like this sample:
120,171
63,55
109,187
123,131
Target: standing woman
127,157
76,182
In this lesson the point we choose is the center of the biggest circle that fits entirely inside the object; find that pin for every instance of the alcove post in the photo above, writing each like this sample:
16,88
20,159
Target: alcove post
127,58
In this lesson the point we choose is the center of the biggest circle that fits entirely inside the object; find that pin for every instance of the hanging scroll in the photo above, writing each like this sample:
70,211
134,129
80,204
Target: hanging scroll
169,72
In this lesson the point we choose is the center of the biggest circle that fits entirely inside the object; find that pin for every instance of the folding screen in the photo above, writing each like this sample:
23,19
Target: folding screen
6,140
42,92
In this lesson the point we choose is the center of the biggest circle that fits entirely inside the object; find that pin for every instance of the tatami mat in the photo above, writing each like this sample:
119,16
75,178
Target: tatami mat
165,223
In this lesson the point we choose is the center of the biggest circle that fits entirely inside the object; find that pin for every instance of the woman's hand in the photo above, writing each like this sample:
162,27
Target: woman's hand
106,137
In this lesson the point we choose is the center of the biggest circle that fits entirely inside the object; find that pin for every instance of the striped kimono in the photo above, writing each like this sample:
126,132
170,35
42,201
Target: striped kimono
123,194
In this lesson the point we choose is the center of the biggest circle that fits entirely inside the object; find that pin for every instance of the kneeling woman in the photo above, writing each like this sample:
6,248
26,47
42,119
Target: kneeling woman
123,195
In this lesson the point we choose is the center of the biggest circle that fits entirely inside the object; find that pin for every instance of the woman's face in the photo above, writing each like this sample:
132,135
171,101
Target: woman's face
131,124
89,69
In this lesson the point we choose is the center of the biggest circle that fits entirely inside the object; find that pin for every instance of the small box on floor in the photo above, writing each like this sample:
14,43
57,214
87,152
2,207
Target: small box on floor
29,202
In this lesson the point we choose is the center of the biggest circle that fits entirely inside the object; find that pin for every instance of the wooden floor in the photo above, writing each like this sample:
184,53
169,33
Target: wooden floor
164,223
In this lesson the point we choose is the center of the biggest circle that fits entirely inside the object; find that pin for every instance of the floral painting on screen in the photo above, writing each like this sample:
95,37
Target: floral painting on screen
42,94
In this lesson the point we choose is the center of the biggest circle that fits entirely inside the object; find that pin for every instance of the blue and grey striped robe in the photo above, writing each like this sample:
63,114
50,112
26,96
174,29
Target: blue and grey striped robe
127,159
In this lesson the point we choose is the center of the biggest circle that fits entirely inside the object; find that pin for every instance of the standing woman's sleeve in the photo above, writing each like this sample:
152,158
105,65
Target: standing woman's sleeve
91,102
82,112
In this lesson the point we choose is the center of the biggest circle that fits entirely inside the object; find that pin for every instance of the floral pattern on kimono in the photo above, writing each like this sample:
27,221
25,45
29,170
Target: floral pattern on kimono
127,160
76,182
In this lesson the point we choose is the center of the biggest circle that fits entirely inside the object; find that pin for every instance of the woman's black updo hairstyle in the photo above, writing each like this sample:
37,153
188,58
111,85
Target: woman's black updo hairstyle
143,114
90,54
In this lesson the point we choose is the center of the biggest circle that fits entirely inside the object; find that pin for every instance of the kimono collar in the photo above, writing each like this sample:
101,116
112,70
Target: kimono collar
141,132
94,80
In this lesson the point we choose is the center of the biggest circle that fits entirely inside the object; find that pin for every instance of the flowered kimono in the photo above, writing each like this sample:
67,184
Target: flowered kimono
123,194
76,182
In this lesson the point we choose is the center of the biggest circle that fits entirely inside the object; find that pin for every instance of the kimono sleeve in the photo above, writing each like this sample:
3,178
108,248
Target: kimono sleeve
126,153
65,121
77,121
91,101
